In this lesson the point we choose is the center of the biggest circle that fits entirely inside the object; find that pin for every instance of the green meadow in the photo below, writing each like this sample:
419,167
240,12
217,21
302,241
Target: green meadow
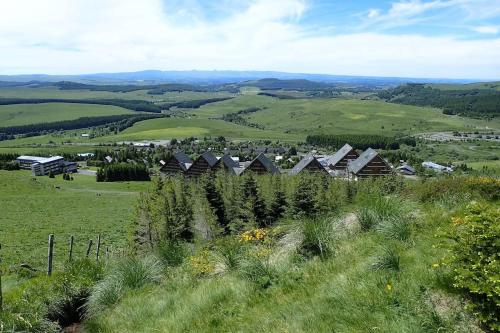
25,114
32,208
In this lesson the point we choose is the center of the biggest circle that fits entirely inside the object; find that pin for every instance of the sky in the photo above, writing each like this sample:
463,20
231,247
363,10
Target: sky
403,38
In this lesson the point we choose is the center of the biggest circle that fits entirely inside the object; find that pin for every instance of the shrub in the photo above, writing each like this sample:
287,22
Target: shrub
396,228
385,214
475,260
259,271
172,253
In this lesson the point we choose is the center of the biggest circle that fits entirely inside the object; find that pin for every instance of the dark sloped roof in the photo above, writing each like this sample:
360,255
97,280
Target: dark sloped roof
270,167
363,159
340,154
229,162
184,161
210,158
407,167
182,158
308,159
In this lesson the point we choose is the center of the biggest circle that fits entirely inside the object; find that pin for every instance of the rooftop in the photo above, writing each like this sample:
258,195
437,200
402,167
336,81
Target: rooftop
39,159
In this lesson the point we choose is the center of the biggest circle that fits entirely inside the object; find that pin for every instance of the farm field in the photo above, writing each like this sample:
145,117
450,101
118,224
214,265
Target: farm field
26,114
33,209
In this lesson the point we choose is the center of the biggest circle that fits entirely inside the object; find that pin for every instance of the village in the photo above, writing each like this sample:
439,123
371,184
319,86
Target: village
346,163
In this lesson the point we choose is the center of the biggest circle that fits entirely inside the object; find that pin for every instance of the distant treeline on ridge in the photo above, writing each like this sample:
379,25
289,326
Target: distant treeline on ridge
359,141
477,103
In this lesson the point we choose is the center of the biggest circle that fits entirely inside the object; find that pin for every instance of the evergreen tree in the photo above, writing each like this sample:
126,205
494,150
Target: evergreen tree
303,198
278,204
217,203
255,203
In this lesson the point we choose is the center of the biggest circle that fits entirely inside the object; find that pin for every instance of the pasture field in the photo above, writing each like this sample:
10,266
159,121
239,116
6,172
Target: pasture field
55,92
31,209
341,116
26,114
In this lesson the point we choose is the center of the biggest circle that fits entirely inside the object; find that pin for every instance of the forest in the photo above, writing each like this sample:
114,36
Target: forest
477,103
123,172
359,141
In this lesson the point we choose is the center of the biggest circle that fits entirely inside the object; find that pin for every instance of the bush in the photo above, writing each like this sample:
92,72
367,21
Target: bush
475,260
385,213
172,253
259,271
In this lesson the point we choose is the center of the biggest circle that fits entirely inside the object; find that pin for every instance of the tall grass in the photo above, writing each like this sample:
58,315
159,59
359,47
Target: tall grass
388,259
125,274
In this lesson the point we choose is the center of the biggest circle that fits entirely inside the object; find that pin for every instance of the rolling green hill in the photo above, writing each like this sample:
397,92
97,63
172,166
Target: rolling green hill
25,114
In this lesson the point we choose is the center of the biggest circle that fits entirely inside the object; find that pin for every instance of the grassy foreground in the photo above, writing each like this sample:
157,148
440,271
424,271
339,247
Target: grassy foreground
33,208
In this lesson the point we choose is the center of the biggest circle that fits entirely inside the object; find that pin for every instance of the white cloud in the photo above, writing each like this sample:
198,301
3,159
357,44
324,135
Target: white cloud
82,36
372,13
487,29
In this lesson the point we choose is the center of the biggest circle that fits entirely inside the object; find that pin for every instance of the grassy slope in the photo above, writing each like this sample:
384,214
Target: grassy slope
32,210
479,85
339,294
24,114
301,116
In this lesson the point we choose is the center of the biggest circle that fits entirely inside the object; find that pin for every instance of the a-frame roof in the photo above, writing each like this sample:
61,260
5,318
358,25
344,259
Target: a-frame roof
308,159
229,162
210,158
366,157
340,154
268,165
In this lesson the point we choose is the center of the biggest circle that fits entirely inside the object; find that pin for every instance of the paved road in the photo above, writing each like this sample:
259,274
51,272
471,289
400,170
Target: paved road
87,172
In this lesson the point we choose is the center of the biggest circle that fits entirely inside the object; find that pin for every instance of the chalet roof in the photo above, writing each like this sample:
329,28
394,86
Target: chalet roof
340,154
308,159
363,159
184,160
229,162
270,167
406,167
210,158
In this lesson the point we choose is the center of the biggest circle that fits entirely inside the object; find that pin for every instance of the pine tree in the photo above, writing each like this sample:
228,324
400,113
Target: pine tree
278,204
303,197
255,203
217,203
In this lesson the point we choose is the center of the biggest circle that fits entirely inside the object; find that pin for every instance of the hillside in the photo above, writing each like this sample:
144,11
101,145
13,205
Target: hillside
470,102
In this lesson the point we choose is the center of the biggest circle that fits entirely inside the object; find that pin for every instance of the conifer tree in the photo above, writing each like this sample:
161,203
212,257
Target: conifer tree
303,198
216,202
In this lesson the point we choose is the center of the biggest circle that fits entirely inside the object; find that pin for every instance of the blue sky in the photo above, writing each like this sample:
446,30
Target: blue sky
417,38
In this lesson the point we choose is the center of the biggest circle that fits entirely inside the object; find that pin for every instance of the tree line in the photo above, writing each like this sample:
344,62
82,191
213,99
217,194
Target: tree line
123,172
359,141
132,104
115,122
478,103
228,205
237,118
195,104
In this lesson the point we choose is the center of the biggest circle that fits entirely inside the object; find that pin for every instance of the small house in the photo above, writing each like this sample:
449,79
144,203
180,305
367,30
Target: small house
436,167
369,164
405,169
177,163
309,163
261,165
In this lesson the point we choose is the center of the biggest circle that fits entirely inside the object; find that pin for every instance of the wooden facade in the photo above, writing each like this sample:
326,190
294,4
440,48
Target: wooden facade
261,165
341,159
310,164
178,163
206,163
369,164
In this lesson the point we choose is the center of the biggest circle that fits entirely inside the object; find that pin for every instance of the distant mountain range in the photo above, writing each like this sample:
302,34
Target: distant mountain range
220,77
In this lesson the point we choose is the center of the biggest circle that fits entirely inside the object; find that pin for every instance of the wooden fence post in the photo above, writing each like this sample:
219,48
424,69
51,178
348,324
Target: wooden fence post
50,254
107,252
98,247
71,241
89,247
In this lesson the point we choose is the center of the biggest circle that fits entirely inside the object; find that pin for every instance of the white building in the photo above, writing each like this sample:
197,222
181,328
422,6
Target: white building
436,167
42,166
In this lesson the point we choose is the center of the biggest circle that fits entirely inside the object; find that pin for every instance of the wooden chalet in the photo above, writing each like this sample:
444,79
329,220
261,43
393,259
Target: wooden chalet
178,163
368,164
309,163
341,158
261,165
206,163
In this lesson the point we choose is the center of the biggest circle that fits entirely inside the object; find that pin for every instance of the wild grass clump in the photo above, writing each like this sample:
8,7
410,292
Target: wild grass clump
390,216
318,237
125,274
229,252
259,271
388,259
